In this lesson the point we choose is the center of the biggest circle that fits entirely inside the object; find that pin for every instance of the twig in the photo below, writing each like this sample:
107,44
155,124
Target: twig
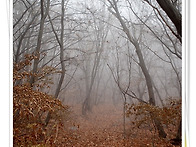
57,130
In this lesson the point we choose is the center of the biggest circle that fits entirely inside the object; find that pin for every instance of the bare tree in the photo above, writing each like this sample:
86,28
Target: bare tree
44,13
142,64
90,75
75,40
91,69
61,44
25,27
176,18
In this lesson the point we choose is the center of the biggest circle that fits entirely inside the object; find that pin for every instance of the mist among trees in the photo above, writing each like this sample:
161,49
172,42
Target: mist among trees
97,72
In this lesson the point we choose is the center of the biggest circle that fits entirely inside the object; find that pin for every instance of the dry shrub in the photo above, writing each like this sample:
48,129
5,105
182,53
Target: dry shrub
142,115
30,109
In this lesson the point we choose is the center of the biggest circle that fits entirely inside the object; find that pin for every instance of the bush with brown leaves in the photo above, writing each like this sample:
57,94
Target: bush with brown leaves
30,109
143,114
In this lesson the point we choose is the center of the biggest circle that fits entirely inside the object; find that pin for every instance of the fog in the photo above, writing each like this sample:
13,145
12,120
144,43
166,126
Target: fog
96,52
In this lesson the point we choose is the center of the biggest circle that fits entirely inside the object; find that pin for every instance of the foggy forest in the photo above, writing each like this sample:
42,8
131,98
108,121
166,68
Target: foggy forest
105,73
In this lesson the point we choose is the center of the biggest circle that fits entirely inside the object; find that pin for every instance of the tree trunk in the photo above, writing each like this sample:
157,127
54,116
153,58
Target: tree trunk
90,79
176,18
41,29
159,96
22,38
179,132
88,83
146,74
150,88
141,64
172,13
61,59
61,52
86,104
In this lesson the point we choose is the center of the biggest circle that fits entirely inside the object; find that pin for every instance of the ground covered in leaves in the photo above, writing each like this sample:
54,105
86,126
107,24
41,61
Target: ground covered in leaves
104,128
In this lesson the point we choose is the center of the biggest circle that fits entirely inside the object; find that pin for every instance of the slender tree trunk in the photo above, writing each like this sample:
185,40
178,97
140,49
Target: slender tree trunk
179,132
124,116
89,86
141,63
150,88
159,96
41,29
99,50
22,38
146,74
61,58
86,104
61,52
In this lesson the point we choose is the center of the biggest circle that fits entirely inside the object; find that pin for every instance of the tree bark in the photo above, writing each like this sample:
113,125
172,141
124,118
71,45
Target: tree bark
150,89
146,74
176,18
172,13
61,52
41,29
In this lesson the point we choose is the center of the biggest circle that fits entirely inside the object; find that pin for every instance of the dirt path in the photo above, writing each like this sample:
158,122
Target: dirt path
104,128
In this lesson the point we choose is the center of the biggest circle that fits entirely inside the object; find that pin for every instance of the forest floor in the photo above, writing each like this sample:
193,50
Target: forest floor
104,128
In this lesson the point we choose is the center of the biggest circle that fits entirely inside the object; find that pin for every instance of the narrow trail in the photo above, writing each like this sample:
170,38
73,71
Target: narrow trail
104,128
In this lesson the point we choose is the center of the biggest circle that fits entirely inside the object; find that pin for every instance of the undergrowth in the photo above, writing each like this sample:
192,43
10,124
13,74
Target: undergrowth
31,107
